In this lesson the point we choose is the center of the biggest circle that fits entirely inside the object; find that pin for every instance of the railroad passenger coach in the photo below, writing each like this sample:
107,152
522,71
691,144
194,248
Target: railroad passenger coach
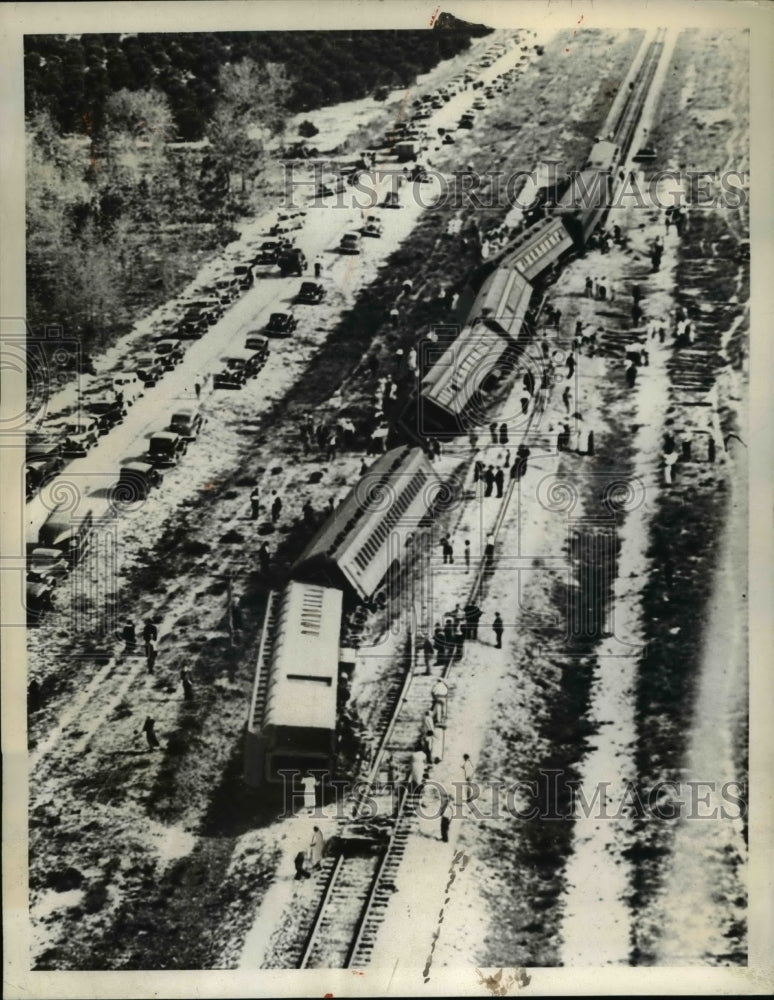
291,724
366,536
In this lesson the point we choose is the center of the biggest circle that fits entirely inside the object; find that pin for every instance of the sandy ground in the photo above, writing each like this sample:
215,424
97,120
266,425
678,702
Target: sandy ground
190,848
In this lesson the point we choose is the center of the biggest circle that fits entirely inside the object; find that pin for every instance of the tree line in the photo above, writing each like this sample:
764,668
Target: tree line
72,78
118,215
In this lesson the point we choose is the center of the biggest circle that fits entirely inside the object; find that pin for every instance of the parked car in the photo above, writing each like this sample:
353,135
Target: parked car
129,386
78,435
43,461
136,480
193,324
187,422
149,369
350,243
170,352
373,226
281,324
267,252
210,309
227,289
69,534
244,273
255,341
311,292
107,412
238,368
291,260
286,226
166,448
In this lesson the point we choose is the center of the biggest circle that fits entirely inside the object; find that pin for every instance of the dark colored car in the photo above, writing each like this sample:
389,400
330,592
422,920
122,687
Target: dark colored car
291,261
255,341
281,325
44,460
108,412
311,292
193,324
186,422
149,368
170,352
244,273
267,253
166,448
136,480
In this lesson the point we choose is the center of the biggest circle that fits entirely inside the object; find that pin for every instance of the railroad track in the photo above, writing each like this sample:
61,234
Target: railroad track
630,113
362,879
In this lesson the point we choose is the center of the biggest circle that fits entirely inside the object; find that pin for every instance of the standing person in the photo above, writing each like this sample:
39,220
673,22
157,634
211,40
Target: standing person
255,503
439,643
316,848
489,550
497,628
198,386
499,478
570,366
439,694
300,862
149,633
129,635
446,817
589,287
332,442
472,615
467,555
567,397
467,776
188,691
459,643
427,649
310,791
489,481
448,550
503,433
276,508
493,431
669,461
478,470
149,728
418,761
318,265
150,654
428,736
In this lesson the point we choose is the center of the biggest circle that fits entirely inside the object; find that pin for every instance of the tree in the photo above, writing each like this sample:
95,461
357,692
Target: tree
307,129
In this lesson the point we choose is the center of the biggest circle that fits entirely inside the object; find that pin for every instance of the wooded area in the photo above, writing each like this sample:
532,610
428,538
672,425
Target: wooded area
117,218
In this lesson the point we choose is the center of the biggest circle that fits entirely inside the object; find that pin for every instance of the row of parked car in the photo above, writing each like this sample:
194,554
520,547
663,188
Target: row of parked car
63,540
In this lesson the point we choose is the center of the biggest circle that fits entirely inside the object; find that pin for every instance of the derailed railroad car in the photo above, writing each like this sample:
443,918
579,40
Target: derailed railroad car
291,725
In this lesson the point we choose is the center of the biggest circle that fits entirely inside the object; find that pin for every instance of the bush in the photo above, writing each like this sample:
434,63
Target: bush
307,129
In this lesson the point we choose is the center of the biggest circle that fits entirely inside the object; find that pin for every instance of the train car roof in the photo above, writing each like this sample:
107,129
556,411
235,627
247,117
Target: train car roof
538,247
602,155
305,658
381,511
466,363
503,300
588,189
